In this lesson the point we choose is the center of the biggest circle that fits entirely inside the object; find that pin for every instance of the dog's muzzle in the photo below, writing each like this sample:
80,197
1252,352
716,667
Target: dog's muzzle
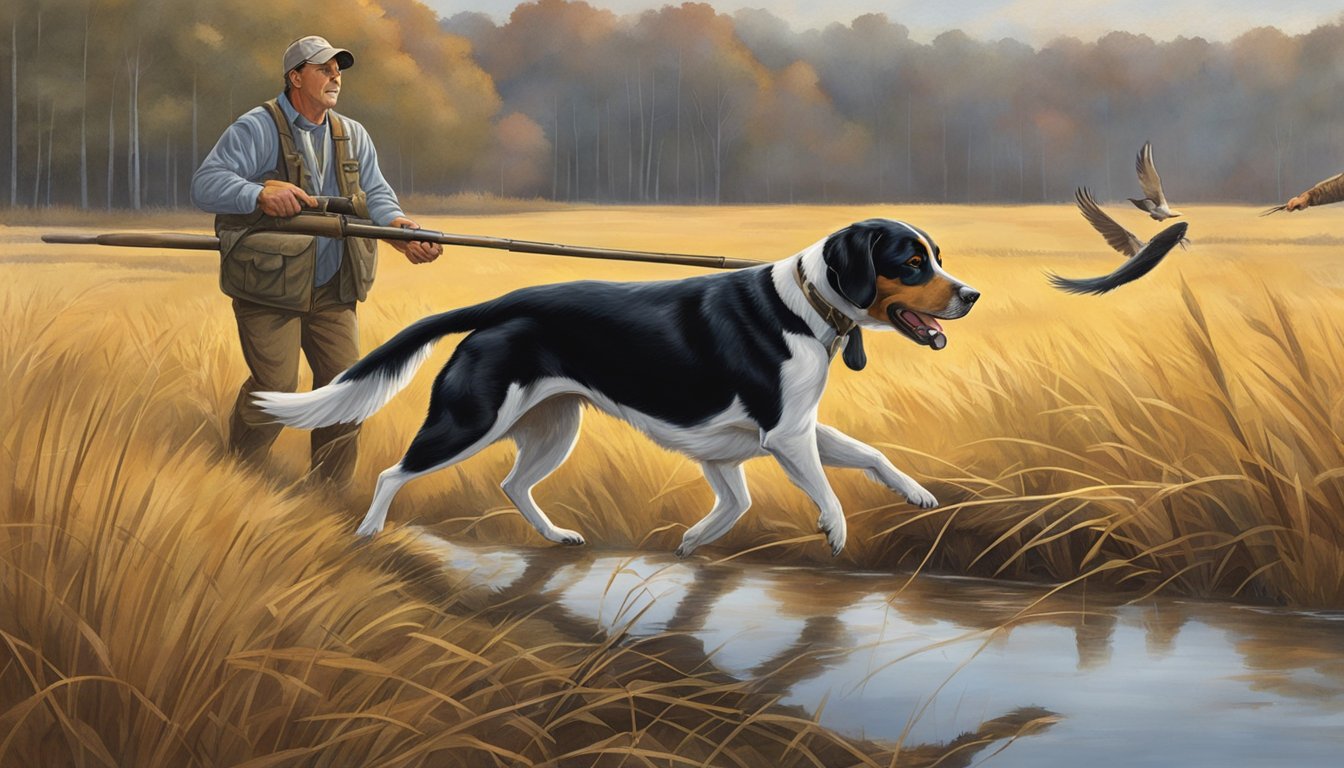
924,328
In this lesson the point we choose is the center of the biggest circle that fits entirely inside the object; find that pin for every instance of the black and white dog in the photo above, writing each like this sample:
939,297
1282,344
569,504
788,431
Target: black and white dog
720,367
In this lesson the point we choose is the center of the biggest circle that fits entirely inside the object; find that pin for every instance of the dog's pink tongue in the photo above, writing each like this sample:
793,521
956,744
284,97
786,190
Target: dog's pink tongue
926,327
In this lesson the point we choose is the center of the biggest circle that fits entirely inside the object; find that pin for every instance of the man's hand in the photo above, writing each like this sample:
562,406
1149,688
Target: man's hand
417,252
1298,203
282,199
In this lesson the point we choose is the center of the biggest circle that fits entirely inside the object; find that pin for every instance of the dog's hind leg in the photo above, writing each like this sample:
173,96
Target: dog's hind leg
390,481
840,450
731,501
473,404
545,435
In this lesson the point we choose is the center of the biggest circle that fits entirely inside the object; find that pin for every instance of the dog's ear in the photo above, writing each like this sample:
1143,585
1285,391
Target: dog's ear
849,263
854,355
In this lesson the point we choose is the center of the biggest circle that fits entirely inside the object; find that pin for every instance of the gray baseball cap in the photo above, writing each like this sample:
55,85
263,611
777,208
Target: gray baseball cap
316,50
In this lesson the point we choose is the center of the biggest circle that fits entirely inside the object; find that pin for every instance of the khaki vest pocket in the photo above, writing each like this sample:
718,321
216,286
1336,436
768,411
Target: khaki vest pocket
274,268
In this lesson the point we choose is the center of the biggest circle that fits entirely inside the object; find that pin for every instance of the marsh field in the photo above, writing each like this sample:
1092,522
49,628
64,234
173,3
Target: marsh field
161,604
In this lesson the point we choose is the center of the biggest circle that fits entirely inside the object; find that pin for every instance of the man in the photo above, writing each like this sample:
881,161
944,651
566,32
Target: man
293,292
1329,191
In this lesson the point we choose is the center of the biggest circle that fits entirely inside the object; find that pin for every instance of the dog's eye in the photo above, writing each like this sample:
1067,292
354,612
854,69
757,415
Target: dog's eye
915,261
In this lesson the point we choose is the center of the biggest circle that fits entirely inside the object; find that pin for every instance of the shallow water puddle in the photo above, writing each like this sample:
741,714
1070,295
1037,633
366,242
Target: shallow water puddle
1165,682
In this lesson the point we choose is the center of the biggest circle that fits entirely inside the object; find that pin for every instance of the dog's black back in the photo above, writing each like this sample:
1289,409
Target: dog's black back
678,350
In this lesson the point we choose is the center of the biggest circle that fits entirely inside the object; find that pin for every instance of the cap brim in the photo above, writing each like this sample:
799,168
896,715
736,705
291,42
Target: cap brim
344,59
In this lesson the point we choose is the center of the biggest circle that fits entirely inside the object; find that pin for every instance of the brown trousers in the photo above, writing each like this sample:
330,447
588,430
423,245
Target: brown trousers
271,338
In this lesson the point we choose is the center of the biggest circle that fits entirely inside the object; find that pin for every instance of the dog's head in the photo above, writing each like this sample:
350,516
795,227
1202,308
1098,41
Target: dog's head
892,273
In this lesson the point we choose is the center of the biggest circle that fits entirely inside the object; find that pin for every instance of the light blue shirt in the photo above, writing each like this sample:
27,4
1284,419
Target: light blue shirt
230,178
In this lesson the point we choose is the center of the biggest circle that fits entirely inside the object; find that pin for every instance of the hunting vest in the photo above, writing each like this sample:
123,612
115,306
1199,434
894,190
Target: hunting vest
276,268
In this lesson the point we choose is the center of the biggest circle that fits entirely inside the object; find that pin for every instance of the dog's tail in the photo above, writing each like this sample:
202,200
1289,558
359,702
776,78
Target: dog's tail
359,391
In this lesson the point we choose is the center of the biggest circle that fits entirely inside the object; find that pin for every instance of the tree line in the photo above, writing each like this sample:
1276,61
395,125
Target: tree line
112,103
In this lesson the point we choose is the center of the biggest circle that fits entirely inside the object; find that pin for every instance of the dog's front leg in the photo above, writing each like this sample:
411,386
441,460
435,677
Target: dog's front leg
796,451
840,450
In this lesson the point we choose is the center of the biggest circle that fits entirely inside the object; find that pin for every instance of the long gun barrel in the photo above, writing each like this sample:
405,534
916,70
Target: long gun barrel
341,226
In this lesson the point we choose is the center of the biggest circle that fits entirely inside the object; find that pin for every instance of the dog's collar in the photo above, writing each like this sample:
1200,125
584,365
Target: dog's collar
837,320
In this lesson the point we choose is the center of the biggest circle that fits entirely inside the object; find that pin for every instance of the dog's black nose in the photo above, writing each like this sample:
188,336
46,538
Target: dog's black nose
968,294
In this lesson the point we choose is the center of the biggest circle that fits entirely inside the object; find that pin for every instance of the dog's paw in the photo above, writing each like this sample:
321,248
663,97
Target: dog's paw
687,547
920,497
835,532
567,537
368,530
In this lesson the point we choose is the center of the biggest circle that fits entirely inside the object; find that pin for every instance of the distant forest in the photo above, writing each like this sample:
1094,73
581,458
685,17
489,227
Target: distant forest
112,103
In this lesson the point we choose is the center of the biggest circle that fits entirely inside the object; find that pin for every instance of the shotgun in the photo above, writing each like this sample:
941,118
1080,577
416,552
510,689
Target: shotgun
329,221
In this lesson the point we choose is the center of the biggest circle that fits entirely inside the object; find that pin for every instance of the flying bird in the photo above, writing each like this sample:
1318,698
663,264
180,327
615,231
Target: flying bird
1141,263
1153,202
1119,238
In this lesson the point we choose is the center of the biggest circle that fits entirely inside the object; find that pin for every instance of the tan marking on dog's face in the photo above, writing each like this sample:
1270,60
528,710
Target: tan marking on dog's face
931,298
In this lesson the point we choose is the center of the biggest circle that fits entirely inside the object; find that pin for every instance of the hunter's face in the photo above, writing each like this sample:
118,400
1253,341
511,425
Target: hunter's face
320,84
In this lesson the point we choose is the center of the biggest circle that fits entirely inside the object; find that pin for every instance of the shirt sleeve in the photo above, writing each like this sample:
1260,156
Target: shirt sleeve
1329,191
229,179
382,201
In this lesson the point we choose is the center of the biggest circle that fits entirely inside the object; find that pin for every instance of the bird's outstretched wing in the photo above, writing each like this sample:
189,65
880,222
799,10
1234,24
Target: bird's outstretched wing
1139,265
1148,178
1117,237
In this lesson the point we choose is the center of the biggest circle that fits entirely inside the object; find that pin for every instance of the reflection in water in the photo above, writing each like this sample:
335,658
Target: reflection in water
1163,683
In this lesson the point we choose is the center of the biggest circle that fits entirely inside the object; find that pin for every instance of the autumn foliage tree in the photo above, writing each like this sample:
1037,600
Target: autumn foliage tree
113,102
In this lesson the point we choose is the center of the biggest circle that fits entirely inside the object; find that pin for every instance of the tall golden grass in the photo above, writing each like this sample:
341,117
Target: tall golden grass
162,605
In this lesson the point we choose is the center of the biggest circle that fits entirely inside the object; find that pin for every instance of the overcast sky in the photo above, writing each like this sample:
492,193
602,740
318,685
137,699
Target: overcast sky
1031,21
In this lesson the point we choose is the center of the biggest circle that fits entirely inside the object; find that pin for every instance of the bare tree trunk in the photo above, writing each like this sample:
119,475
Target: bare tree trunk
1106,149
658,172
699,167
1040,139
993,164
37,52
14,114
133,161
629,142
639,91
909,152
83,122
574,128
718,159
1278,160
37,172
1021,165
111,141
676,187
569,164
611,163
167,167
970,147
195,115
944,155
648,191
51,145
555,150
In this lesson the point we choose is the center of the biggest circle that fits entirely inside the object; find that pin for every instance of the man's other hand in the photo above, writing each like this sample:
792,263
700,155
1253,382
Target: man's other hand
417,252
1298,203
282,199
